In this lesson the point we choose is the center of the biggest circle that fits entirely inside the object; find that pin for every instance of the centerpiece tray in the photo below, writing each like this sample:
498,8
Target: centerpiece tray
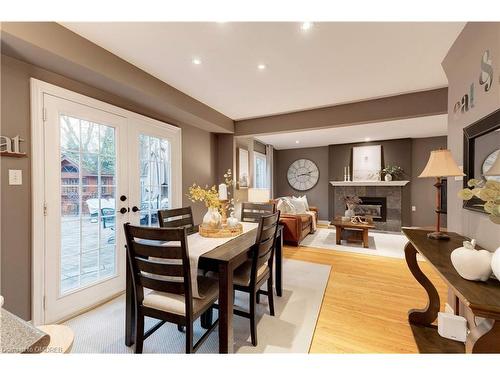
222,232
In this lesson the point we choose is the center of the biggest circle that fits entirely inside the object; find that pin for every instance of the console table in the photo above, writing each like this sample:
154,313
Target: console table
483,298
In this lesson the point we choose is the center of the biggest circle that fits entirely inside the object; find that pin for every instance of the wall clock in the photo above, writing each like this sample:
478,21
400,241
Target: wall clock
303,174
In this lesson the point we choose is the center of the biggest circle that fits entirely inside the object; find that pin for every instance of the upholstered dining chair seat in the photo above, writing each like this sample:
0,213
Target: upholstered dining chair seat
175,303
242,273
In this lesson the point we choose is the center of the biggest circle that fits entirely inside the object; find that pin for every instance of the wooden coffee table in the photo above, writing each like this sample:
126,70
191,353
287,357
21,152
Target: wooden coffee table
341,226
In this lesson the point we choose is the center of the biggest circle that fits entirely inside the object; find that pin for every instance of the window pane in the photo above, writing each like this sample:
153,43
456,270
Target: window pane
107,141
70,133
90,137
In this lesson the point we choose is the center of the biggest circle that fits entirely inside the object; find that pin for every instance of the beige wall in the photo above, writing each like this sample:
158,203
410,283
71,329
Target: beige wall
198,165
462,67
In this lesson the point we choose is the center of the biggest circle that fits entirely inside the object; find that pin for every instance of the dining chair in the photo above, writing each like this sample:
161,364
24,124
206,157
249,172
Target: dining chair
177,218
251,275
251,212
158,259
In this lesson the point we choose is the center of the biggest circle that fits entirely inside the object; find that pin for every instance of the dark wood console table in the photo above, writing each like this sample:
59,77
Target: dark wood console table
483,298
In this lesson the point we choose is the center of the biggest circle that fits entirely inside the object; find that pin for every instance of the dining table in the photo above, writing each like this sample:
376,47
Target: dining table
223,260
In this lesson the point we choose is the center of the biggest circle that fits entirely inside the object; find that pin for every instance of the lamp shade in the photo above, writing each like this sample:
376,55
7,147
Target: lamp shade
441,164
495,168
258,195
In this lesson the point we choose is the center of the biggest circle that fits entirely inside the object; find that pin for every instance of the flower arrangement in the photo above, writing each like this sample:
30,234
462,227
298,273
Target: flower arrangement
489,192
210,196
394,170
228,180
352,200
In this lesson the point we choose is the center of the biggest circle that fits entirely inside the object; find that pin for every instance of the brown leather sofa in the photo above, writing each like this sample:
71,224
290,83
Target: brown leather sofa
297,227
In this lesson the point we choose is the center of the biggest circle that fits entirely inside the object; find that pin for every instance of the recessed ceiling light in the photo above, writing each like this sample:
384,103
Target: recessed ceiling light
297,142
367,139
306,26
196,61
261,66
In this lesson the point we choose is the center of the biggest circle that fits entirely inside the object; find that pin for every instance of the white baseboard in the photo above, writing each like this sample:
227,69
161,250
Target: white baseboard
323,222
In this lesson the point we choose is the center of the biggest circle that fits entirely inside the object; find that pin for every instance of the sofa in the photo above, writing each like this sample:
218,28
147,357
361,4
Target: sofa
298,226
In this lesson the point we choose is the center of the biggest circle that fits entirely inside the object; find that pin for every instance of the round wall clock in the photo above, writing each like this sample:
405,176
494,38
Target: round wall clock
303,174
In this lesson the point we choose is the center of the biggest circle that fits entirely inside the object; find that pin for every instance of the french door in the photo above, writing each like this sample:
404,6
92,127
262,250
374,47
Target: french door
102,169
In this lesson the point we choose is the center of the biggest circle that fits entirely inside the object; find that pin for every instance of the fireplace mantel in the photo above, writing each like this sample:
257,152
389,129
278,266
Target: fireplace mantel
369,183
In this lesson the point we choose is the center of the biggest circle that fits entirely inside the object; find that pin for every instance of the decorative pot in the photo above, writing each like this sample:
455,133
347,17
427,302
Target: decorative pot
232,221
350,211
388,177
470,263
212,218
495,263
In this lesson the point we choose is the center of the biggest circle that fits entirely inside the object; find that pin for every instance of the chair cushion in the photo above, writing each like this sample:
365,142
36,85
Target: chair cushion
175,303
242,273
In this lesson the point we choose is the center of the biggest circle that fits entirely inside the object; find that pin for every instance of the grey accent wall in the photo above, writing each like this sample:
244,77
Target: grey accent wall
462,66
394,152
198,165
318,195
423,192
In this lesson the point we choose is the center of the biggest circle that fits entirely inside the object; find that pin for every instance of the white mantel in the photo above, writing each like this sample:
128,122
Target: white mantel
369,183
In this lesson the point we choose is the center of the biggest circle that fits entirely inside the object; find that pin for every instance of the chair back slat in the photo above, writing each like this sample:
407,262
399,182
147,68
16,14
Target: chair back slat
159,260
160,268
177,218
252,212
263,249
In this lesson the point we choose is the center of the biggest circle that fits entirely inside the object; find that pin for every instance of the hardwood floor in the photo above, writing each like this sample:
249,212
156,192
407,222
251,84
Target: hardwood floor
366,302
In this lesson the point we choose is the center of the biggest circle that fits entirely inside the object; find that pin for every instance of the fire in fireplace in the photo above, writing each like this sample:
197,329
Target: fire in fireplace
375,207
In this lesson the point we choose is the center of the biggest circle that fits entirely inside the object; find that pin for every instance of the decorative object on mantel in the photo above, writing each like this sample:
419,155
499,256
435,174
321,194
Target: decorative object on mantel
392,171
439,165
366,163
11,146
351,201
347,173
218,202
470,263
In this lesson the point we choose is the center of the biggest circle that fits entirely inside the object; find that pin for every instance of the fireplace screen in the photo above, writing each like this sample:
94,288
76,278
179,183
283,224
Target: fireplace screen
372,206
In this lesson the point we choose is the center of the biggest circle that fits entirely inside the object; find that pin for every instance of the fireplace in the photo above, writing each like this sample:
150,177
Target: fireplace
375,207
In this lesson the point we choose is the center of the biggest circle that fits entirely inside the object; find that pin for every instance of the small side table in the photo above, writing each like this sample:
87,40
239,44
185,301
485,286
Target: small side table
341,226
61,338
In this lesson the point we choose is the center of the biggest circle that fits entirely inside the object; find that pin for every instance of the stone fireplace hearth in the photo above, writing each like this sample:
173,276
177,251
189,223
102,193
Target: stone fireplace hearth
376,196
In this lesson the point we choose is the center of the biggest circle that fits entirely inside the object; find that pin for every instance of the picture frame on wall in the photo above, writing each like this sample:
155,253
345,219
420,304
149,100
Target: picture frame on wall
366,163
243,169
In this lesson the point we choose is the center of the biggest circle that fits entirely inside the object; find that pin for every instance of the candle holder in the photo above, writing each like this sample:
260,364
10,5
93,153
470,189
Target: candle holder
224,204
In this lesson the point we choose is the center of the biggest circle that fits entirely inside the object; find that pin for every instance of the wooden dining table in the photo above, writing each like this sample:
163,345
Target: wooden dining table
224,259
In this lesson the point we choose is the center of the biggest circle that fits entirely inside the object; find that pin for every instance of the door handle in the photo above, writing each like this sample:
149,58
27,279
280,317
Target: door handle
135,209
123,210
123,198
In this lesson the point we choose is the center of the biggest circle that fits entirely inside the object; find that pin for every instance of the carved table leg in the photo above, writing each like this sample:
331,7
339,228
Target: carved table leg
484,338
428,315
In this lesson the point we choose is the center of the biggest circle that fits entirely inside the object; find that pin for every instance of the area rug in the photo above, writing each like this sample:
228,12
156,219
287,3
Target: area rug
380,243
102,330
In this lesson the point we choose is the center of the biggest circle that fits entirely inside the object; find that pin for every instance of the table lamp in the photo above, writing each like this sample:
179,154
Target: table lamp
439,165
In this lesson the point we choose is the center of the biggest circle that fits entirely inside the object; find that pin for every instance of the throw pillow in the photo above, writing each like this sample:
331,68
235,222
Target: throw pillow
285,206
303,199
300,207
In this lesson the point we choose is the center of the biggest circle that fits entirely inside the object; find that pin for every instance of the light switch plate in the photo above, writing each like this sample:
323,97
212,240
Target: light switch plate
414,208
15,177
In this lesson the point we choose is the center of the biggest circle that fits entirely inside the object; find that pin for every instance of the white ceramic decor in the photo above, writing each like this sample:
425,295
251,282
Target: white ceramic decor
212,218
495,263
470,263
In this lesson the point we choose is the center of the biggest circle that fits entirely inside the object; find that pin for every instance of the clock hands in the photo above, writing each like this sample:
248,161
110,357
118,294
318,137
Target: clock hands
304,174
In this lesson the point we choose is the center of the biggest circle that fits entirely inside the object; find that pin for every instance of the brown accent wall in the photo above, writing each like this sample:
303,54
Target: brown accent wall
423,192
318,195
198,165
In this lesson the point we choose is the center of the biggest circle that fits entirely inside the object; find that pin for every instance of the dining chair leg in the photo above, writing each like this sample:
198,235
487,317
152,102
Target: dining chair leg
189,338
253,324
139,334
270,295
180,327
258,297
207,318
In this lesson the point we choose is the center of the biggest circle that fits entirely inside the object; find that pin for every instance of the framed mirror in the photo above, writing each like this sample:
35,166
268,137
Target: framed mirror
481,154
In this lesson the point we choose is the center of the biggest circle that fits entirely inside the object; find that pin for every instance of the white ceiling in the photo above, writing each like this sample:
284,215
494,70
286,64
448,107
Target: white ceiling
332,63
420,127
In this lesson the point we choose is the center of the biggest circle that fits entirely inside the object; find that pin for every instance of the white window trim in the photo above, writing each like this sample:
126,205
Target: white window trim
38,89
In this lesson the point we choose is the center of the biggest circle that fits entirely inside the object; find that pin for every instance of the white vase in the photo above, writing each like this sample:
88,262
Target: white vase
232,221
212,218
350,211
388,177
495,263
472,264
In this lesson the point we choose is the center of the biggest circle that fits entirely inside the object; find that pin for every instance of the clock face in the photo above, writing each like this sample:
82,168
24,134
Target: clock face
303,174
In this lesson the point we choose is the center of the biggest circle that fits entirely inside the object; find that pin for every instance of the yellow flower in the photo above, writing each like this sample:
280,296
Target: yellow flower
465,194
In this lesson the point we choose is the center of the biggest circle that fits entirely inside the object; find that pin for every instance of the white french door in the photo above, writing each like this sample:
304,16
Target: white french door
102,168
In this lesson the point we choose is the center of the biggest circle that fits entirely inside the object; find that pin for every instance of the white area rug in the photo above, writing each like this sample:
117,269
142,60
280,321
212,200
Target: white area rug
102,330
381,244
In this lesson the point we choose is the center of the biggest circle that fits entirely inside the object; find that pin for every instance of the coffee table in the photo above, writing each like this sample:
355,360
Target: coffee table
341,226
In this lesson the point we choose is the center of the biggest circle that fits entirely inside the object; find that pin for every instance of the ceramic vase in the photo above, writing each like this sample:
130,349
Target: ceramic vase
495,263
388,177
350,211
232,221
212,218
472,264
